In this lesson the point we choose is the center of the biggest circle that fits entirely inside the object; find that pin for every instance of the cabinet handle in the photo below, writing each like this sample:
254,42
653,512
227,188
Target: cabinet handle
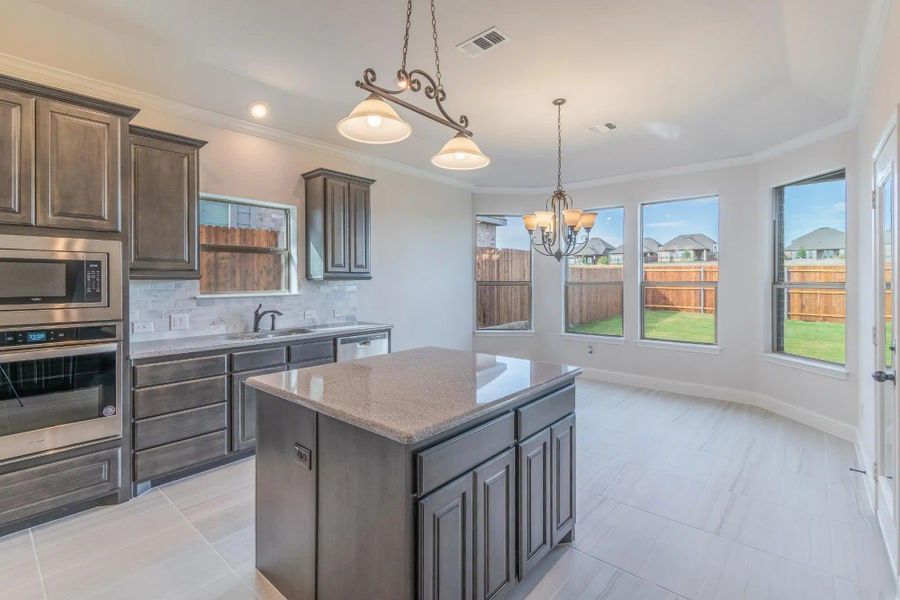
304,455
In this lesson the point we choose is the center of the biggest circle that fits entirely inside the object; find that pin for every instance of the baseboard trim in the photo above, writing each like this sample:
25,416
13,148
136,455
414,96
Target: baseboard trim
830,425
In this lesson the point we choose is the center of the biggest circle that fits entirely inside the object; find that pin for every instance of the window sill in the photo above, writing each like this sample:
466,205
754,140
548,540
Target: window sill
504,332
802,364
679,346
247,295
591,339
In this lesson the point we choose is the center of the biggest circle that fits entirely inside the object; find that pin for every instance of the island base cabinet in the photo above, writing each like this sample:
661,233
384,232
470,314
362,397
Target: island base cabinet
535,536
495,527
562,478
445,542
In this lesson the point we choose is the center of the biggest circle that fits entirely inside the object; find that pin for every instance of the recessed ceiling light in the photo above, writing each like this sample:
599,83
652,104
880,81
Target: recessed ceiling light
258,110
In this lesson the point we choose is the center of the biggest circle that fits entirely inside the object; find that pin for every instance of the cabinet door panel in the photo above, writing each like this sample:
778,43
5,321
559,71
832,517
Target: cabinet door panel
16,158
78,167
495,527
243,409
563,477
445,542
337,209
164,214
359,228
534,501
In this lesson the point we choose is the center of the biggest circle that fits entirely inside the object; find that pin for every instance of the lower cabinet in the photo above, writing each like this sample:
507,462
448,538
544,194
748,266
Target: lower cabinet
495,527
446,556
562,477
243,409
535,537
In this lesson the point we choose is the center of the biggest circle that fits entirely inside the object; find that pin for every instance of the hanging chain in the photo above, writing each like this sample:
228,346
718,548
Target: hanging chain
559,186
437,58
406,35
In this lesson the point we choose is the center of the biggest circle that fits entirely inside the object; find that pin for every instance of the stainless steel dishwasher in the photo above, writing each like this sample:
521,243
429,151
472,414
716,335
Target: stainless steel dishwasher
361,346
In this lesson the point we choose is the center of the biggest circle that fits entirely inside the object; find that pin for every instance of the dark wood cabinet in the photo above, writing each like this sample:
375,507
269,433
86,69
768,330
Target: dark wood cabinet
78,167
165,199
534,530
495,527
338,225
446,554
16,158
243,409
562,478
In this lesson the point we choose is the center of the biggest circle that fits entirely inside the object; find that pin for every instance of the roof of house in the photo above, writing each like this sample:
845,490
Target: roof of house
650,245
595,247
690,241
823,238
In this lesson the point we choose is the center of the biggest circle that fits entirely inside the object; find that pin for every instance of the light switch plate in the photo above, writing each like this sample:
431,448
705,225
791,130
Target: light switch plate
309,315
179,321
145,327
338,313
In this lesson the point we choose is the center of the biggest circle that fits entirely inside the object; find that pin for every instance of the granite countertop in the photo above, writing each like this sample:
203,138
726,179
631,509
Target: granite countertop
206,343
413,395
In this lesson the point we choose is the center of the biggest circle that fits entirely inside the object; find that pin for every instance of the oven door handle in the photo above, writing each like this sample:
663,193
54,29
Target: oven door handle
63,352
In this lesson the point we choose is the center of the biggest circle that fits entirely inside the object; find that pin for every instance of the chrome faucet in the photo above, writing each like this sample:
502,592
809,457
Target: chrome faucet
258,314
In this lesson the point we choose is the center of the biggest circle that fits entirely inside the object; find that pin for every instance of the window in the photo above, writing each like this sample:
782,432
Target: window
245,246
809,288
502,273
594,278
680,270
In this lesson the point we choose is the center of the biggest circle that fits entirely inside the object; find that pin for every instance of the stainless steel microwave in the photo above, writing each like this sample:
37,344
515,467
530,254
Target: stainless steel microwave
46,280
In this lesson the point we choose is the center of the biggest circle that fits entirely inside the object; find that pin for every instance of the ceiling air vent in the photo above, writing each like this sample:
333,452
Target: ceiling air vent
484,41
600,128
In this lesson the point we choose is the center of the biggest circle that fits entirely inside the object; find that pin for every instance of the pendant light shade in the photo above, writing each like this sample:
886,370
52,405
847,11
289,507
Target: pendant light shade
460,154
373,121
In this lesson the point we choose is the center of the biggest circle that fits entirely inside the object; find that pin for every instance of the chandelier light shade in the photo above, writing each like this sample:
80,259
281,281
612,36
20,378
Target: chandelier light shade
373,121
555,231
460,154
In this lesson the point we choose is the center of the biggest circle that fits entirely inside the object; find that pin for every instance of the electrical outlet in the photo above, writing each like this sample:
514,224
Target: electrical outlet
338,314
145,327
590,349
179,321
309,315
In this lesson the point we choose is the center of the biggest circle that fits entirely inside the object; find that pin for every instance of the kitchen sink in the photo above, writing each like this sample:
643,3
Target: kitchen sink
259,335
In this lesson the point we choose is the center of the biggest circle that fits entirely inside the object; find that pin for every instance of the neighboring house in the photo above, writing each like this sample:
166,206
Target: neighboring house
690,247
594,251
821,243
651,247
486,231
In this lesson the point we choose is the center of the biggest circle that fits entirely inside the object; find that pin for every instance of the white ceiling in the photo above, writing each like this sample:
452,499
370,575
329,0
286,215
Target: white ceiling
686,80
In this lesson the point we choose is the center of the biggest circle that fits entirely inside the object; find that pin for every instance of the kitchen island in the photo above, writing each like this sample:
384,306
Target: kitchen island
423,474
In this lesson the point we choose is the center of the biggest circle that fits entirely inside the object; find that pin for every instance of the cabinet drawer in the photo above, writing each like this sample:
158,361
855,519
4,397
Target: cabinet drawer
181,425
162,399
171,458
445,461
258,359
32,491
311,351
542,413
179,370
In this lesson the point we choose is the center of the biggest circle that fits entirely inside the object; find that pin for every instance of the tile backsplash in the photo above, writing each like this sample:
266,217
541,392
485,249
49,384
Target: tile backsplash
156,302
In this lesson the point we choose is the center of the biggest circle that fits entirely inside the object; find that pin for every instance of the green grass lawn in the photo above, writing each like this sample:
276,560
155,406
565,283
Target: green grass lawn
820,341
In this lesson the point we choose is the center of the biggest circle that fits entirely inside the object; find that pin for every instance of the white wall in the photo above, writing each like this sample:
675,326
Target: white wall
421,281
737,370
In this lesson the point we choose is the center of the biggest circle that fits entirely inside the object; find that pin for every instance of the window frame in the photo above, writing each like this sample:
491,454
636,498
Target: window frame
778,275
291,263
478,331
642,297
620,284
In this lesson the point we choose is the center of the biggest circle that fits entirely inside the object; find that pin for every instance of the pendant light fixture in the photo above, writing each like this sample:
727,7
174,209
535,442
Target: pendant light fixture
374,121
555,231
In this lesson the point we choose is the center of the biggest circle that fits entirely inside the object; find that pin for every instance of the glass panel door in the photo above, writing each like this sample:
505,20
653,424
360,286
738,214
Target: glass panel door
886,346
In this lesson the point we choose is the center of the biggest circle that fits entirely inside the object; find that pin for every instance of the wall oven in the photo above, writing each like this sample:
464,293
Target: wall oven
59,280
59,386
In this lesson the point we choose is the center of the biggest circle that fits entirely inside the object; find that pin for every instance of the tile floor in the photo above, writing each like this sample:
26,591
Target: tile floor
678,497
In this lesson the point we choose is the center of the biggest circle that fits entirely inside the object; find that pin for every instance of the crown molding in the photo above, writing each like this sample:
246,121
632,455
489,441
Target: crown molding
47,75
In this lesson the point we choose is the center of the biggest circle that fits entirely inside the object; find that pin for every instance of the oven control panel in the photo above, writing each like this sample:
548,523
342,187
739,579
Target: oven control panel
93,281
57,335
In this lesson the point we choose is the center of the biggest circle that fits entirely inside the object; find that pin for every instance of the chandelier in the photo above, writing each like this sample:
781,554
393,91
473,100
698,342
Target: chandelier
555,231
374,121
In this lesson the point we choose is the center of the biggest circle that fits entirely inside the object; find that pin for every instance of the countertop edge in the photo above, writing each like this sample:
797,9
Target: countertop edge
227,344
426,434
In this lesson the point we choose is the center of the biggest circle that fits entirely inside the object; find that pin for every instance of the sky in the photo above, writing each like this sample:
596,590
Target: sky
664,221
808,207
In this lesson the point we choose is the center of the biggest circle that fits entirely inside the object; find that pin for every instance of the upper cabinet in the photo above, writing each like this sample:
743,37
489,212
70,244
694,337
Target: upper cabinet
338,225
165,202
61,158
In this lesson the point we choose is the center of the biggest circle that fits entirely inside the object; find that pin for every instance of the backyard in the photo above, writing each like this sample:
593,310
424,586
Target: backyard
822,341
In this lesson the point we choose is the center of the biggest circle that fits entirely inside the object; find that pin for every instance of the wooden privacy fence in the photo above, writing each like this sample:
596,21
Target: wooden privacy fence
500,304
229,263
